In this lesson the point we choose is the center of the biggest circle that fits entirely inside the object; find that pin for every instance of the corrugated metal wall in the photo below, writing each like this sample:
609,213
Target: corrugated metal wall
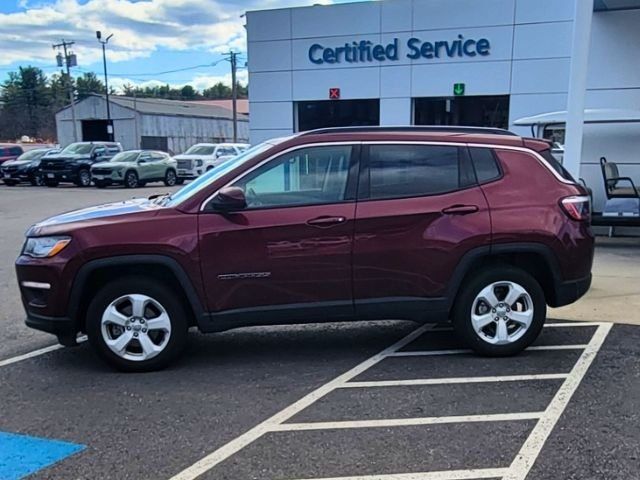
181,131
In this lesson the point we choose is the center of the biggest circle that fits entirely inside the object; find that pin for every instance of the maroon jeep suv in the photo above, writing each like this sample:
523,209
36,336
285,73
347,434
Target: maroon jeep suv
480,227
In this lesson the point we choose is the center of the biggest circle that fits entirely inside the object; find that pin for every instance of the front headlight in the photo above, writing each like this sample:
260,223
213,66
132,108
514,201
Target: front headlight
199,163
45,247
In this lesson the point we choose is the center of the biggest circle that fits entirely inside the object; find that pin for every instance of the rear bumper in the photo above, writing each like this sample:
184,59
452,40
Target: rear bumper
569,292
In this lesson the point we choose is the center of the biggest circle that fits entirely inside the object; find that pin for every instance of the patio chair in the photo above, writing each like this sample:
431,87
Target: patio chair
613,180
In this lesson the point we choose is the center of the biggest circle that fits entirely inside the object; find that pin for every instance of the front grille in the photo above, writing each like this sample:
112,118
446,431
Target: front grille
101,171
185,164
53,166
9,169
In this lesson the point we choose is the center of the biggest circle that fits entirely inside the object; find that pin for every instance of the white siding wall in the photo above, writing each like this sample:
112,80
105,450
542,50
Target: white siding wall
530,59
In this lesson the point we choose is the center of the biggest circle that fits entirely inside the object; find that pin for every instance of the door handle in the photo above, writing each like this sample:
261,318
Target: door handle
460,209
326,221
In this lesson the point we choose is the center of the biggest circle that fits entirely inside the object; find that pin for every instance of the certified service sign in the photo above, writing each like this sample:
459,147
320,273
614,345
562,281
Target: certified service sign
364,51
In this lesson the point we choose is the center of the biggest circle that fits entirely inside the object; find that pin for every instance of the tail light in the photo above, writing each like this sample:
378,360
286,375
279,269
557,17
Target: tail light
577,207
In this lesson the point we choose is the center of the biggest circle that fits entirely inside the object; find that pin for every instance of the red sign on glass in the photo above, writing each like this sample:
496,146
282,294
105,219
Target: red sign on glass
334,93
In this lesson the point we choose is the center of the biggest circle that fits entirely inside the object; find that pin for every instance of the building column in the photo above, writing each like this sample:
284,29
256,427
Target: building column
583,15
395,111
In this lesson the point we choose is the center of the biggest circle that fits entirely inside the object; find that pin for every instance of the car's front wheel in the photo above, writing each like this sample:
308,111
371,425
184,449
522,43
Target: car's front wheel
137,324
36,180
170,178
84,178
500,311
131,179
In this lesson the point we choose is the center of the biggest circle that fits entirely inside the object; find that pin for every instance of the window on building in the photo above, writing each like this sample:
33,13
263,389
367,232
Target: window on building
472,111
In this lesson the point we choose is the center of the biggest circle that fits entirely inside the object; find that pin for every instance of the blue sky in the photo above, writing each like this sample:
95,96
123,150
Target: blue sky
150,36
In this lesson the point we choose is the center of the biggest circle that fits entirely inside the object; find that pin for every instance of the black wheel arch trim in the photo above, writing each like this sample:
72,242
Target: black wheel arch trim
488,251
75,299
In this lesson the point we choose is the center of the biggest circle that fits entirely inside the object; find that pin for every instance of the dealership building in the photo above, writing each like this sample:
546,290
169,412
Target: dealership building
448,62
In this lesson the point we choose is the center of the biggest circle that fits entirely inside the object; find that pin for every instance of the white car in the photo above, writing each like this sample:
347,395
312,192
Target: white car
202,157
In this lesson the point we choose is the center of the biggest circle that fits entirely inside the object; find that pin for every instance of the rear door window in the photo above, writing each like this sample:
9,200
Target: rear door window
397,171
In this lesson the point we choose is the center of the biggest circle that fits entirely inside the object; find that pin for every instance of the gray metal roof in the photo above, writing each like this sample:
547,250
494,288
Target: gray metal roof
161,106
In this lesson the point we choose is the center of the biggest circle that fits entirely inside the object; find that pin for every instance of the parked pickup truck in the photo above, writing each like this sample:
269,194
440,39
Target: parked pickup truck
202,157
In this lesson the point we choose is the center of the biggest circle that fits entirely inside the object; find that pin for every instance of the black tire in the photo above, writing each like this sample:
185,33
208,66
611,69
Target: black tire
465,302
170,178
100,184
179,181
36,180
130,179
84,178
10,183
151,288
51,183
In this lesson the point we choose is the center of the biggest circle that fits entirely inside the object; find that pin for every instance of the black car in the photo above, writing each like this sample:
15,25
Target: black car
73,164
25,168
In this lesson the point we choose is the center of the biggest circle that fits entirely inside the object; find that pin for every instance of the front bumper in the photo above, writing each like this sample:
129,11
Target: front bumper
569,292
21,174
190,174
62,327
60,175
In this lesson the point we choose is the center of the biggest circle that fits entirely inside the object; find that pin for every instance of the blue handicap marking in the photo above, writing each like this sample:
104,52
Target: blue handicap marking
22,455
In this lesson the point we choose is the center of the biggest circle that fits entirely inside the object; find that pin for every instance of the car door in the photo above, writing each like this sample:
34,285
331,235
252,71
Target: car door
419,211
146,168
289,251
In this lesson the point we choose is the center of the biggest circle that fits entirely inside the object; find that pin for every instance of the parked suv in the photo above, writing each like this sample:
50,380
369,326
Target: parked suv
73,164
424,224
202,157
26,168
135,168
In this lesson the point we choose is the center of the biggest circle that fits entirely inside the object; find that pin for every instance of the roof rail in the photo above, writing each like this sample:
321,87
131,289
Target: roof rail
411,128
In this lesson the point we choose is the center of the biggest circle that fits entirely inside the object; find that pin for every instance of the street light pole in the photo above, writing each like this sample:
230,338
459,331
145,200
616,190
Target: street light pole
106,81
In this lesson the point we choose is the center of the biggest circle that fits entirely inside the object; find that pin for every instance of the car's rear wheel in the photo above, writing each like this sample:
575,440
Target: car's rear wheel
84,178
500,311
137,324
170,178
131,179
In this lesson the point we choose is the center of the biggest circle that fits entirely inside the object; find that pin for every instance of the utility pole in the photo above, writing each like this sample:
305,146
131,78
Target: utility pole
104,42
69,61
234,93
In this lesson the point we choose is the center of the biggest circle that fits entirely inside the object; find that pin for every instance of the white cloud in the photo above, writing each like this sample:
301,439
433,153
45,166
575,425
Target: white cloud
139,27
199,82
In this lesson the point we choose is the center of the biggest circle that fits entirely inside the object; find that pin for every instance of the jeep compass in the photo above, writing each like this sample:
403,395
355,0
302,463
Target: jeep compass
479,227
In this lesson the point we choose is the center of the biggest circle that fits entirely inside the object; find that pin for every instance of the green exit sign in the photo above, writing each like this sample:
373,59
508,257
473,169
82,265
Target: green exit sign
458,89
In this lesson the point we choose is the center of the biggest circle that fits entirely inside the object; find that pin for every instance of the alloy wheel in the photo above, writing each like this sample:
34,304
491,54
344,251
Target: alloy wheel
85,178
170,178
502,313
136,327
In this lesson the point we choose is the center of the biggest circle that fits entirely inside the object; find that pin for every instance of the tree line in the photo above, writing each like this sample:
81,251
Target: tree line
29,99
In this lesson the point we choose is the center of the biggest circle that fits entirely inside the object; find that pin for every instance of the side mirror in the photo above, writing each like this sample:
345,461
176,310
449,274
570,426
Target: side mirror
94,155
229,199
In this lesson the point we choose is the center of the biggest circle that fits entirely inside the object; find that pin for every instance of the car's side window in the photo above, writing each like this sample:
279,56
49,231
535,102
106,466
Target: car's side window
397,171
484,163
99,151
308,176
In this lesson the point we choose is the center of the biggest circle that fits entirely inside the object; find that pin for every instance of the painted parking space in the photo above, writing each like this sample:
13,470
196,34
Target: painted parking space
422,447
288,404
23,455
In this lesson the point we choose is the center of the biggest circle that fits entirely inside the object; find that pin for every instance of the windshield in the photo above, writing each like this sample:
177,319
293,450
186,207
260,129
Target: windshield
125,157
32,155
78,148
212,175
200,150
